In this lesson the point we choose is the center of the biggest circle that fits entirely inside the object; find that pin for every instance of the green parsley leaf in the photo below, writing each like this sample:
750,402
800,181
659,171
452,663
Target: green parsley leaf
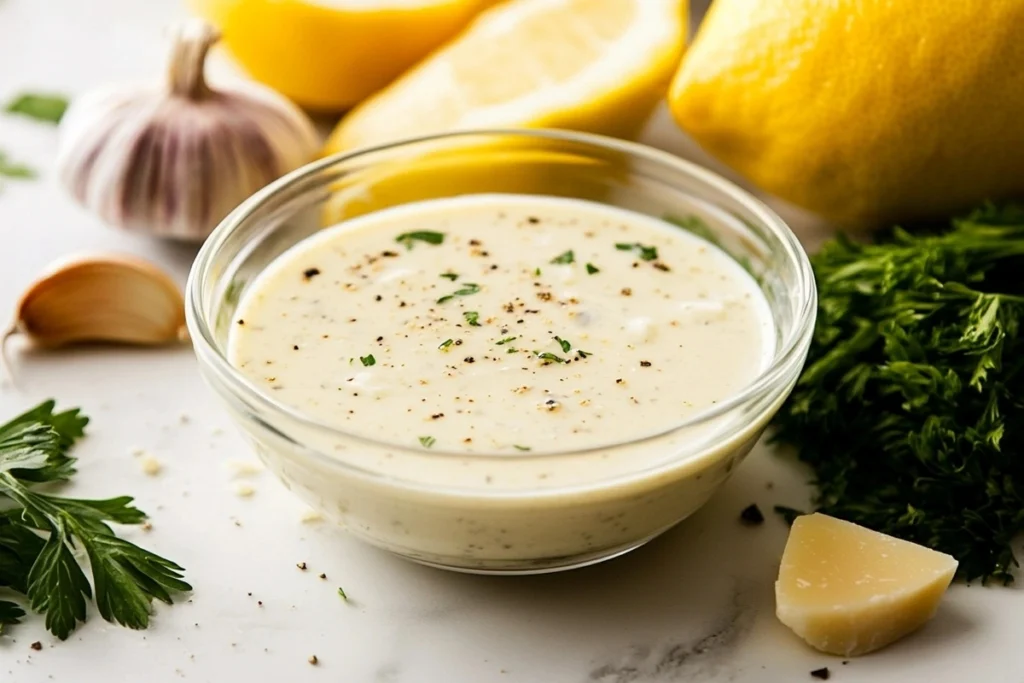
450,276
9,169
430,237
521,448
472,317
592,269
566,346
536,272
10,613
467,289
908,410
512,349
367,361
427,441
42,107
341,592
646,253
506,340
40,533
565,258
445,344
550,357
583,354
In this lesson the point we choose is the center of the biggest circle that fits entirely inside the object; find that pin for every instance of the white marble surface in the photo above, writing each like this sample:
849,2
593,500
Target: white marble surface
696,605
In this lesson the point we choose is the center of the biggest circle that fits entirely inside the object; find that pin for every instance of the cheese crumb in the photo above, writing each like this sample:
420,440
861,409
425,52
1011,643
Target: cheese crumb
244,490
151,465
245,468
847,590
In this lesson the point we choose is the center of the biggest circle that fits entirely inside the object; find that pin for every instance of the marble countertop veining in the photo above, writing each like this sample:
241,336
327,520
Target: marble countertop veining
695,605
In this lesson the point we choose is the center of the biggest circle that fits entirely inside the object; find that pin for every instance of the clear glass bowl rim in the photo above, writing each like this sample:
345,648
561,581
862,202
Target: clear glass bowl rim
774,376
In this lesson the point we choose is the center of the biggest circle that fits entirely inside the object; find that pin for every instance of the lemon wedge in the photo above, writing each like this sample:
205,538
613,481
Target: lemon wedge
594,65
328,55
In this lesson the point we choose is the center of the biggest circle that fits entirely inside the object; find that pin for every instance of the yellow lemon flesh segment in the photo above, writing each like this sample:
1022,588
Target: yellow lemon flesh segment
328,55
592,65
848,590
865,111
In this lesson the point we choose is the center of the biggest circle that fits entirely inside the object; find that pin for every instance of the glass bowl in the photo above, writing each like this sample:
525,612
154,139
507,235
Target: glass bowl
606,501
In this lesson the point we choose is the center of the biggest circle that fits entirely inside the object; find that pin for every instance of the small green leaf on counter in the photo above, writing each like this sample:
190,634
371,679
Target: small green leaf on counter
450,276
408,238
445,344
550,357
10,169
566,346
341,592
367,361
41,107
592,269
472,317
506,340
565,258
427,441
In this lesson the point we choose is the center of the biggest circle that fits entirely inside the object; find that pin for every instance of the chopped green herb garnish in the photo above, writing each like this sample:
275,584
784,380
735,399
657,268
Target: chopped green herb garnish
407,238
446,343
645,253
45,538
472,317
48,108
909,408
566,346
467,289
341,592
564,258
450,276
583,354
367,361
520,448
10,169
506,340
512,350
536,272
427,441
591,269
550,357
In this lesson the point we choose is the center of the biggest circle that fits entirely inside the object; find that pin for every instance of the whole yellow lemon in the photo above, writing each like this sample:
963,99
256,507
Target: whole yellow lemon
865,111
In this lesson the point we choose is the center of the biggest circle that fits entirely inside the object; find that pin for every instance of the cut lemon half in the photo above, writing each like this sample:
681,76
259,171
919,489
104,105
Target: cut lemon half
328,55
594,65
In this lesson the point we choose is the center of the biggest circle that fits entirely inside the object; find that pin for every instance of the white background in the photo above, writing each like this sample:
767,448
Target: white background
696,605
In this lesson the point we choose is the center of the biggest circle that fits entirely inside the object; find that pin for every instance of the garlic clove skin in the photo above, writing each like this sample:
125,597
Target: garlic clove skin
173,161
101,299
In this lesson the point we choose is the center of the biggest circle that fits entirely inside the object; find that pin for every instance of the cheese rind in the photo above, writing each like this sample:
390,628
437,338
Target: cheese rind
847,590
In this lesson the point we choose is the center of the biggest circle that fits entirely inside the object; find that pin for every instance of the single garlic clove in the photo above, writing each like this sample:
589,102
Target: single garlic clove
112,299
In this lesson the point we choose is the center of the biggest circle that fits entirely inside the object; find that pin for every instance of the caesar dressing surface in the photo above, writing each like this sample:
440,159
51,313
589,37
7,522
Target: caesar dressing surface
503,324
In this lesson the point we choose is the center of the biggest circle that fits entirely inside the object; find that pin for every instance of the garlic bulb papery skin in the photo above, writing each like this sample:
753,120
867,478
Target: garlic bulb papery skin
172,161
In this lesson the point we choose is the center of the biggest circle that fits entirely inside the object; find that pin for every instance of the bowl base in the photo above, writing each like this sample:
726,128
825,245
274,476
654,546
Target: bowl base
539,566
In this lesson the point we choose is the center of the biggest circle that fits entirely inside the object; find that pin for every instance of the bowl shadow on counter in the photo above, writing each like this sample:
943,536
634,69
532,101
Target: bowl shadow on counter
686,603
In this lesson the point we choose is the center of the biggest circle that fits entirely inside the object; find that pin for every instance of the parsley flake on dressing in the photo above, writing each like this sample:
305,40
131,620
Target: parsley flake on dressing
472,317
427,441
520,448
428,236
644,252
550,357
367,361
450,276
445,344
565,258
467,289
566,346
592,269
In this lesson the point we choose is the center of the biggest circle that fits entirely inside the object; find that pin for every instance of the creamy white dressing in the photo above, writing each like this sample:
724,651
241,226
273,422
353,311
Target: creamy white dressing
507,324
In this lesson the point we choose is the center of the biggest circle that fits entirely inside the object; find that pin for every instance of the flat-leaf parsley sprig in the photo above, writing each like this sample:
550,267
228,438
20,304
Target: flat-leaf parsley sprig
910,409
42,536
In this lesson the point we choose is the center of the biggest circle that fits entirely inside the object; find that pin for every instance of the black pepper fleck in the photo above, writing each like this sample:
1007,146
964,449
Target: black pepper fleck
752,515
645,363
378,298
310,273
437,416
823,673
532,220
626,291
37,646
469,359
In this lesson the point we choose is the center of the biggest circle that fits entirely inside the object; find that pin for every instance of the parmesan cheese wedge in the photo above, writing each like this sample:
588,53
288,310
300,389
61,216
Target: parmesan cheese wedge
848,590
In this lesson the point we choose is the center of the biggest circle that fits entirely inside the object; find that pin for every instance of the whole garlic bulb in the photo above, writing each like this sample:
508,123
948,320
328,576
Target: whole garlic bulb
173,160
